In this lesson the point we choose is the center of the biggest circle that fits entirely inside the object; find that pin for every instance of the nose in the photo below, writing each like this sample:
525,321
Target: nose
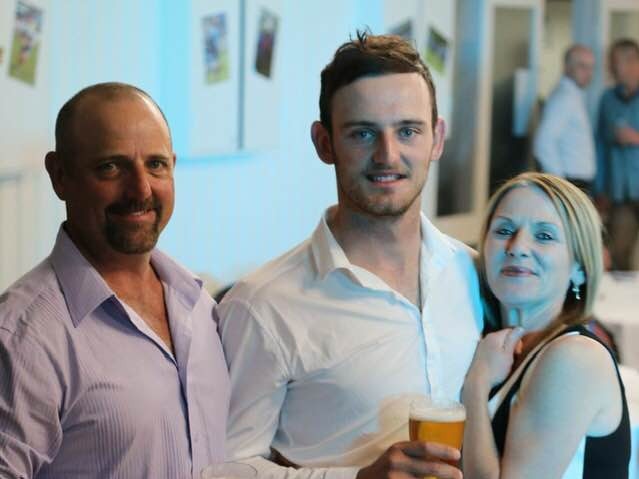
139,185
387,151
518,245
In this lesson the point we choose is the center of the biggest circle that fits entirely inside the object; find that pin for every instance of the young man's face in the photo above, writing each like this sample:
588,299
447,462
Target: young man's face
383,142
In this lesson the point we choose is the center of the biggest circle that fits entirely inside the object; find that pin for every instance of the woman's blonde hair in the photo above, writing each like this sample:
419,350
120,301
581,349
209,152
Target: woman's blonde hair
582,226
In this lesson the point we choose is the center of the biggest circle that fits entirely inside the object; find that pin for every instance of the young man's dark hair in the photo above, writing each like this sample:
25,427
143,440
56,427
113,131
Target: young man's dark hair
371,55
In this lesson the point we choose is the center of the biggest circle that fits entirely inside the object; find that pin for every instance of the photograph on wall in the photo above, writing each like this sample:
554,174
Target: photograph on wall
216,51
436,50
404,30
266,35
26,42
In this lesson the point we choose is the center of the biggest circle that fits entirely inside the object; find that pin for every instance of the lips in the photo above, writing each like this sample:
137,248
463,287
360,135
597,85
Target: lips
385,177
517,271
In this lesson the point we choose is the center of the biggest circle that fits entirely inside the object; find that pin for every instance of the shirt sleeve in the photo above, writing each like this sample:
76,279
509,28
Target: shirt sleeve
30,403
259,377
601,145
549,132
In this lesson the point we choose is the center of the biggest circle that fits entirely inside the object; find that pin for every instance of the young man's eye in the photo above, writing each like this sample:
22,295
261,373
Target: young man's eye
407,132
363,135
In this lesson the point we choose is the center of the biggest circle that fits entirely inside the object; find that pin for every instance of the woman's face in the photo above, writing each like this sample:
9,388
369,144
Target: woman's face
528,263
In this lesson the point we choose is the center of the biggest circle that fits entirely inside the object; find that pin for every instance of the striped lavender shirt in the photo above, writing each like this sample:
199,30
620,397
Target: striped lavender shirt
87,390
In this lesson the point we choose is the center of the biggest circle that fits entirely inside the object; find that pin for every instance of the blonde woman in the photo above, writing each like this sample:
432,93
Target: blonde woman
544,397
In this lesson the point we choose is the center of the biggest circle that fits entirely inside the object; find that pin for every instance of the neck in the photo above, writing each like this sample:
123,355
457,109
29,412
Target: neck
114,267
532,318
629,89
369,239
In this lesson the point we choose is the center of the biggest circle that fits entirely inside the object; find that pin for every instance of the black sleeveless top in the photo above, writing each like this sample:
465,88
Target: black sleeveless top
604,457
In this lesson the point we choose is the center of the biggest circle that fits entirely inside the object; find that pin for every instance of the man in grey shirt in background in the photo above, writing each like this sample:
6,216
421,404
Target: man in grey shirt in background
111,362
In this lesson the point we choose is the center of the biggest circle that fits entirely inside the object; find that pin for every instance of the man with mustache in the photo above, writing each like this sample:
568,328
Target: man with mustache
327,344
111,362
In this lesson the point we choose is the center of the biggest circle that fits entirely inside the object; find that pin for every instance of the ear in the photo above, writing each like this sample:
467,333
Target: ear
439,137
577,275
57,174
322,141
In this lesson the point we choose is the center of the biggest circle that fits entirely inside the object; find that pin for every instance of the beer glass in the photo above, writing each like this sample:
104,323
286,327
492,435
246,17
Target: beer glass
229,470
437,420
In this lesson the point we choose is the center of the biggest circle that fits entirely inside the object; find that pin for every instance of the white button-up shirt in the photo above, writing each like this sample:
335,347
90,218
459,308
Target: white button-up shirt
324,356
564,143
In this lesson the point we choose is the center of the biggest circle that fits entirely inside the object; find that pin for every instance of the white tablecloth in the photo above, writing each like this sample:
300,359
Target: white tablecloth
617,306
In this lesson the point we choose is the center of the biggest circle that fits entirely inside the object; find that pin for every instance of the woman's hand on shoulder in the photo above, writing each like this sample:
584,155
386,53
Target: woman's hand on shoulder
494,357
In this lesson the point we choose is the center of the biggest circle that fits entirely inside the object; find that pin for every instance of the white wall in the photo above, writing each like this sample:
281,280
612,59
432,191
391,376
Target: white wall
234,211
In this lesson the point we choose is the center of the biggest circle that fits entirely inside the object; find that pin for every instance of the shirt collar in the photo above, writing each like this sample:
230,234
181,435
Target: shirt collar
568,82
437,249
85,290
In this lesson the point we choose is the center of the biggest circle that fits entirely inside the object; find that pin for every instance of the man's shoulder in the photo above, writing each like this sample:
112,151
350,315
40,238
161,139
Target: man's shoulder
30,300
276,275
458,251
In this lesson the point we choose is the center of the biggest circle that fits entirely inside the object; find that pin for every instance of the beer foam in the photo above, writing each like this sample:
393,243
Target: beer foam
437,414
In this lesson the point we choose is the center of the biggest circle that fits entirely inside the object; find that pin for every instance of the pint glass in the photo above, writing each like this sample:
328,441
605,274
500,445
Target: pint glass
437,420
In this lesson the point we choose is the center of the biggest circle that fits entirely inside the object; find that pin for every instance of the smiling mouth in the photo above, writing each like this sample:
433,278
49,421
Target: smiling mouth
517,271
385,177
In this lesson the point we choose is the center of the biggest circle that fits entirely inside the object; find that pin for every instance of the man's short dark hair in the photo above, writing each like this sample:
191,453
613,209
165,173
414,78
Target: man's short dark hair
105,91
371,55
623,44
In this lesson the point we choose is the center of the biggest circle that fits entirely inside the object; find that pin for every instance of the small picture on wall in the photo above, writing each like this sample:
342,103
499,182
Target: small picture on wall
436,50
216,51
26,42
1,55
267,32
404,30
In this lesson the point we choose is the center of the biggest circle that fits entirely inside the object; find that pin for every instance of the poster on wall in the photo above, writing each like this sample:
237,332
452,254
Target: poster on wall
266,35
216,51
404,30
26,42
436,50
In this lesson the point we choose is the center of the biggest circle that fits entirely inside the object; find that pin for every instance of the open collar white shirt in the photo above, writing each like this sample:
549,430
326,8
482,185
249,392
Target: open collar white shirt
564,142
324,356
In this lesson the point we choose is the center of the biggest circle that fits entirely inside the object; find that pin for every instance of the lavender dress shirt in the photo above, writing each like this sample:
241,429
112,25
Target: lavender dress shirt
88,390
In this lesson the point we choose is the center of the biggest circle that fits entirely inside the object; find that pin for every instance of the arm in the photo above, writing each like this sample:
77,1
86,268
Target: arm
549,132
259,374
627,136
545,427
30,404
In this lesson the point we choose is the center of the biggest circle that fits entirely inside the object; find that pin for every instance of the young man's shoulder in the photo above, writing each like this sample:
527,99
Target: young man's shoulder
279,273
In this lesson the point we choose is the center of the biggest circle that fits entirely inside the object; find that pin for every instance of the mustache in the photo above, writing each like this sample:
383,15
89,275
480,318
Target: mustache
131,206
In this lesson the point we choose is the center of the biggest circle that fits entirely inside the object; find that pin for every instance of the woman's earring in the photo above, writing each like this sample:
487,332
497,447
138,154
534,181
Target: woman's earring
575,289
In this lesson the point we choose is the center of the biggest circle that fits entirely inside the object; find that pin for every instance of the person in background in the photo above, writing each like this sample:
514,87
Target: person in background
327,344
541,263
564,142
618,153
111,361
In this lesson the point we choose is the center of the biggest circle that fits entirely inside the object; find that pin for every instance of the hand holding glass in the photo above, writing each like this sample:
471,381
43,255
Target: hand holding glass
437,420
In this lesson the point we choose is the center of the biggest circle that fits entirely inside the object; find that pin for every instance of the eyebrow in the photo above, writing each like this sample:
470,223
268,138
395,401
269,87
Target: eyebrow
370,124
538,223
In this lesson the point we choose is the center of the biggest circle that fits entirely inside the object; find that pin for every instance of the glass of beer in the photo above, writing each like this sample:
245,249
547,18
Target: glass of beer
437,420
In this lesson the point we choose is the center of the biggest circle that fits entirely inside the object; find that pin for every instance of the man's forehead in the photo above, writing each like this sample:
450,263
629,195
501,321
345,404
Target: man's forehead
401,95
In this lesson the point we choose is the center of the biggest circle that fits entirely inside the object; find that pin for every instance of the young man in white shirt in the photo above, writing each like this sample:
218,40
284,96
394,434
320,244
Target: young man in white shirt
327,344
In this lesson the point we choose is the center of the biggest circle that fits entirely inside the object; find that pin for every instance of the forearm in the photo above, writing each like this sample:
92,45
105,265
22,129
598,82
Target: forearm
480,457
266,468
